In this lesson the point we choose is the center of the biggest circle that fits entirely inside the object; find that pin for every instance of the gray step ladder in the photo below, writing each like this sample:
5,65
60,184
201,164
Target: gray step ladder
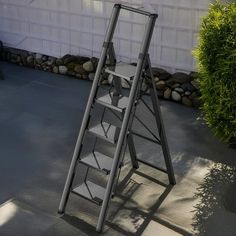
122,136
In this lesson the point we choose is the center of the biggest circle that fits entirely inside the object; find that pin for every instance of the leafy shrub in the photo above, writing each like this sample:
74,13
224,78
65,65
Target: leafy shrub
216,58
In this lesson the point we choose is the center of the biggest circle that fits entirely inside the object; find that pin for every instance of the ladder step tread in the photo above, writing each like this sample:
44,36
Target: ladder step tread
121,101
104,131
98,161
122,70
90,191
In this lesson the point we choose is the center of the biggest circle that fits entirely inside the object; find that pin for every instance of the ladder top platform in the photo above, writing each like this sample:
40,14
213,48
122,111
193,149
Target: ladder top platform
122,70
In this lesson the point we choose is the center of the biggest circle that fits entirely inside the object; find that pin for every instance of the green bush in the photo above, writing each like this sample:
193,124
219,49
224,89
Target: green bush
216,59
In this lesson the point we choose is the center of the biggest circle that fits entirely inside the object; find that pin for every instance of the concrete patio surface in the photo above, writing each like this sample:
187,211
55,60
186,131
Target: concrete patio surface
40,116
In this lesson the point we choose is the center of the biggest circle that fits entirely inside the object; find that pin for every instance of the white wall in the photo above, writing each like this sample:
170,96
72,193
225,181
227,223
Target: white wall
58,27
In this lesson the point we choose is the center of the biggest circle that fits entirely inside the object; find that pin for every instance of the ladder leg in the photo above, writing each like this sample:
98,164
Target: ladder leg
108,39
124,128
161,129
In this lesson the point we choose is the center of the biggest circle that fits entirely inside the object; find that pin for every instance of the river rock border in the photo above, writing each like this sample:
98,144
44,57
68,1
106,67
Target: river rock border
179,87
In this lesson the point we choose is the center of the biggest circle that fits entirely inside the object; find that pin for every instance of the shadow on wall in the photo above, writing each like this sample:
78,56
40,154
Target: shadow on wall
215,214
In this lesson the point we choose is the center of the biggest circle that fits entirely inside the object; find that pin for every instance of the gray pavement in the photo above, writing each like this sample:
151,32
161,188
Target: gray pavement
40,116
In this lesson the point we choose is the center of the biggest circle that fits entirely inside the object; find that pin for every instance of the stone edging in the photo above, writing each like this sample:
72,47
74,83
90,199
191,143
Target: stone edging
179,87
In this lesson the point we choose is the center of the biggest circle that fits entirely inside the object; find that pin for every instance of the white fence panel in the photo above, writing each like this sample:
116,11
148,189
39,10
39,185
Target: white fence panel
58,27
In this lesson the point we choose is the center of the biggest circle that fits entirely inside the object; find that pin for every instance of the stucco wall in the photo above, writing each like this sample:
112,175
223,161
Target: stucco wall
58,27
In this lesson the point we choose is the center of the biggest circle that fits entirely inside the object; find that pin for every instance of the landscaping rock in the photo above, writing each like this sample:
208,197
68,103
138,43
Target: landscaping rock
91,76
15,58
181,78
195,84
59,62
170,82
161,73
79,69
45,58
179,90
187,93
176,96
55,70
71,66
88,66
175,86
38,56
193,95
188,87
24,60
186,101
81,60
94,60
79,76
51,58
30,61
85,76
68,58
63,70
160,85
167,93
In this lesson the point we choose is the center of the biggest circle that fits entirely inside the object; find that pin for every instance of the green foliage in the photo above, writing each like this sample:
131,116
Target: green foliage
216,58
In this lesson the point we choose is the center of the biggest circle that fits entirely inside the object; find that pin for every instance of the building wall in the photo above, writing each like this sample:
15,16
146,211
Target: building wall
58,27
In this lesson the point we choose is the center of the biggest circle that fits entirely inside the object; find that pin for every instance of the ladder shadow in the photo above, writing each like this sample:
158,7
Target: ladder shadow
80,224
147,216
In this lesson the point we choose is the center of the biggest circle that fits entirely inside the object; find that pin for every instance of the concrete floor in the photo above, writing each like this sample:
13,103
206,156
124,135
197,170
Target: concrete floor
40,115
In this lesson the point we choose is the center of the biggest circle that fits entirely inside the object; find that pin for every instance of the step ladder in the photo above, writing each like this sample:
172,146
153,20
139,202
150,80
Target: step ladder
122,136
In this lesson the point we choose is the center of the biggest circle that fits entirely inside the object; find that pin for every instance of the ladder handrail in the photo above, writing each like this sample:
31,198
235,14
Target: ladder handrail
136,10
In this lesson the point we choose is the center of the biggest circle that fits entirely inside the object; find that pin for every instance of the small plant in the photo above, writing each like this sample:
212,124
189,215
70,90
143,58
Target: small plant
216,58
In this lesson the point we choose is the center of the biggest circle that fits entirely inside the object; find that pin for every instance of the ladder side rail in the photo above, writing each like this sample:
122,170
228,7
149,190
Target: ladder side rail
123,133
108,39
161,128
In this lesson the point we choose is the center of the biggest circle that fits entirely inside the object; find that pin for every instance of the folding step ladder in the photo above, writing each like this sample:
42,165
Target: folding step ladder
126,106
